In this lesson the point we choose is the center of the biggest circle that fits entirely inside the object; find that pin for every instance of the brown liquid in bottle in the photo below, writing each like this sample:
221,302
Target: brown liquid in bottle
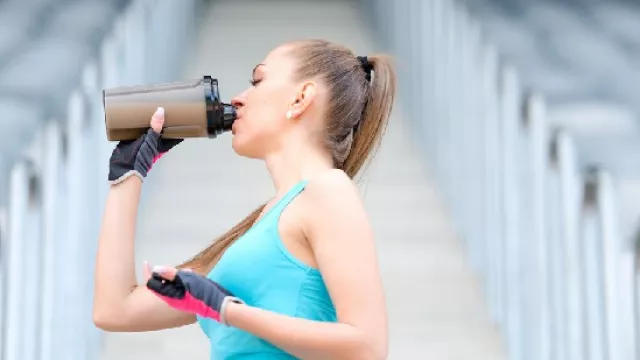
192,109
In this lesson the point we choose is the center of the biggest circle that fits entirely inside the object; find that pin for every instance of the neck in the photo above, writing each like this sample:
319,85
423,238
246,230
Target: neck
295,161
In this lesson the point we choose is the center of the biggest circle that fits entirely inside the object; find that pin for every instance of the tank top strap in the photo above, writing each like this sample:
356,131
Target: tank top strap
288,197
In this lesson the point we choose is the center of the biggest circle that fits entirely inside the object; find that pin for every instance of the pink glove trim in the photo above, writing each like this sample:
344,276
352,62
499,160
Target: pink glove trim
192,305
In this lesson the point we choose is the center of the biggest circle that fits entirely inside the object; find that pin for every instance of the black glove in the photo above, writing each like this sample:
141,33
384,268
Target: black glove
193,293
136,157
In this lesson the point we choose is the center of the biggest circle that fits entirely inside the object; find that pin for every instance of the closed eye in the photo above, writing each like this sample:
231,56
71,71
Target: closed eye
254,82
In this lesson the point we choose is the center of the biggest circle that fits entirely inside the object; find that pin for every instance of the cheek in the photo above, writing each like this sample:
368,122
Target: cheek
268,101
267,108
266,112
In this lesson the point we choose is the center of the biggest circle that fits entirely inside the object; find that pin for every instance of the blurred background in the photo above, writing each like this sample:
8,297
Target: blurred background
505,198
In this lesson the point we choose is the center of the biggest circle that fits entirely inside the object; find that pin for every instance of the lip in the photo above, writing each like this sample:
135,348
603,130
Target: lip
233,126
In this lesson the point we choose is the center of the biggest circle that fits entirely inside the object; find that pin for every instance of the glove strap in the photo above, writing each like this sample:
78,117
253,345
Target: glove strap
126,176
223,307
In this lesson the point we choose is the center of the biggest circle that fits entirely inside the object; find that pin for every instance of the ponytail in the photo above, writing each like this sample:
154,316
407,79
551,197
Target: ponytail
375,118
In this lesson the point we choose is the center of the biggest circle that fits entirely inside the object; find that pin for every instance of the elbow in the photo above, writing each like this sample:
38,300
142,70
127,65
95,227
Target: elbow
375,352
370,348
378,347
106,321
370,352
102,321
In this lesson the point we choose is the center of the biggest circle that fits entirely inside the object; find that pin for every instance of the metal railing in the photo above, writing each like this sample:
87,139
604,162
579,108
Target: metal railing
542,232
48,232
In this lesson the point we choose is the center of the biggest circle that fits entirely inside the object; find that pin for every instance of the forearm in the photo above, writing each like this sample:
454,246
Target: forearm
115,268
305,339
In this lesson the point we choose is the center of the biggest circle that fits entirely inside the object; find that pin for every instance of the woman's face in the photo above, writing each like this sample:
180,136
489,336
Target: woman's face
262,123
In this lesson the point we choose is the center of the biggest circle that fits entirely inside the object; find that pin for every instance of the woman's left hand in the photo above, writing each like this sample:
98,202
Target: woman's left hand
187,291
136,157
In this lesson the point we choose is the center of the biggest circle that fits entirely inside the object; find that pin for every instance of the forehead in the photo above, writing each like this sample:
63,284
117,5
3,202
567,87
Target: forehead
278,59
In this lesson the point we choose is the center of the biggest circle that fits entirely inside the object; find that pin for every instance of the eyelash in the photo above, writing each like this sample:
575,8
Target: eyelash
254,82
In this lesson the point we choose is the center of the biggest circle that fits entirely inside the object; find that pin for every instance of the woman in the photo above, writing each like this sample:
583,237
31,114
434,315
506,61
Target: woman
299,276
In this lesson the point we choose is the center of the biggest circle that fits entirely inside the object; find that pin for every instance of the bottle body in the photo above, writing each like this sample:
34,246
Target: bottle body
192,109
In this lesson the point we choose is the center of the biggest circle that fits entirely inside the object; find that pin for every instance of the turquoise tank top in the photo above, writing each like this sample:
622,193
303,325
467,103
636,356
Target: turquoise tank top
258,269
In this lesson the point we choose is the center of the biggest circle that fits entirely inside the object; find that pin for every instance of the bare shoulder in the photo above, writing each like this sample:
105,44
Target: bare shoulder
332,185
333,203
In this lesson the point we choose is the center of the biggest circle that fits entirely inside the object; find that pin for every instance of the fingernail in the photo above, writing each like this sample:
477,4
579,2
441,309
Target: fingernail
160,111
159,268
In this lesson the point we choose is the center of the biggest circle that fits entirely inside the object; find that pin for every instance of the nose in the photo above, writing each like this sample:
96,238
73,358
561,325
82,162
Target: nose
238,101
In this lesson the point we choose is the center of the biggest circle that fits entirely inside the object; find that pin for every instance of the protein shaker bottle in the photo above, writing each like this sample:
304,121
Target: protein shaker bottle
192,109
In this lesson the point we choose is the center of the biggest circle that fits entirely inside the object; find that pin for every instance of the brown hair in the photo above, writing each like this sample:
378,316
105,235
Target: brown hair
358,112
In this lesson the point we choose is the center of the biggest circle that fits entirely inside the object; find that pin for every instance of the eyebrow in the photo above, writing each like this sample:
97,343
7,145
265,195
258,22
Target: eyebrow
256,68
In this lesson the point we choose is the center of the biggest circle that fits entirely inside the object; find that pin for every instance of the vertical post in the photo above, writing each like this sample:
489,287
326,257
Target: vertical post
430,87
94,178
460,103
422,135
618,264
555,253
478,161
447,112
438,70
50,295
3,275
416,37
509,123
571,188
76,218
452,159
32,268
536,302
492,192
636,296
591,260
15,338
475,143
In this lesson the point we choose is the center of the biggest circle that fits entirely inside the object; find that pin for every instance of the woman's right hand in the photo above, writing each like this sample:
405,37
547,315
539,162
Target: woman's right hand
191,292
136,157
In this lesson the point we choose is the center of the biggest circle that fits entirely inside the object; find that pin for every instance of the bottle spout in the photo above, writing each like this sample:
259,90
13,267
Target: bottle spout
220,115
229,115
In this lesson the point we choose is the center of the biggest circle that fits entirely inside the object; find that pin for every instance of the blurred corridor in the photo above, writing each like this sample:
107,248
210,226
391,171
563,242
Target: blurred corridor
504,198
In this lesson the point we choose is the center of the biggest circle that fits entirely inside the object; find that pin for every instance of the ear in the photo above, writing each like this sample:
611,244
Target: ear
305,96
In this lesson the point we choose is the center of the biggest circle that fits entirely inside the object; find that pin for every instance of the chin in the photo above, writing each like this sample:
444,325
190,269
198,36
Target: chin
243,147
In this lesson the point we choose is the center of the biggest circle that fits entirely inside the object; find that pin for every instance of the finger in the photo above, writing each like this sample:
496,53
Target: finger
157,120
167,272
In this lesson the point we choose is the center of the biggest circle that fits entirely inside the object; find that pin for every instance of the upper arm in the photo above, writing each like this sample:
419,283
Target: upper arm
341,236
142,311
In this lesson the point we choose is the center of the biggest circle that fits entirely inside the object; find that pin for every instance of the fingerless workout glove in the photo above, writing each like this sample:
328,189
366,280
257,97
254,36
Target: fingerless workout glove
136,157
193,293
